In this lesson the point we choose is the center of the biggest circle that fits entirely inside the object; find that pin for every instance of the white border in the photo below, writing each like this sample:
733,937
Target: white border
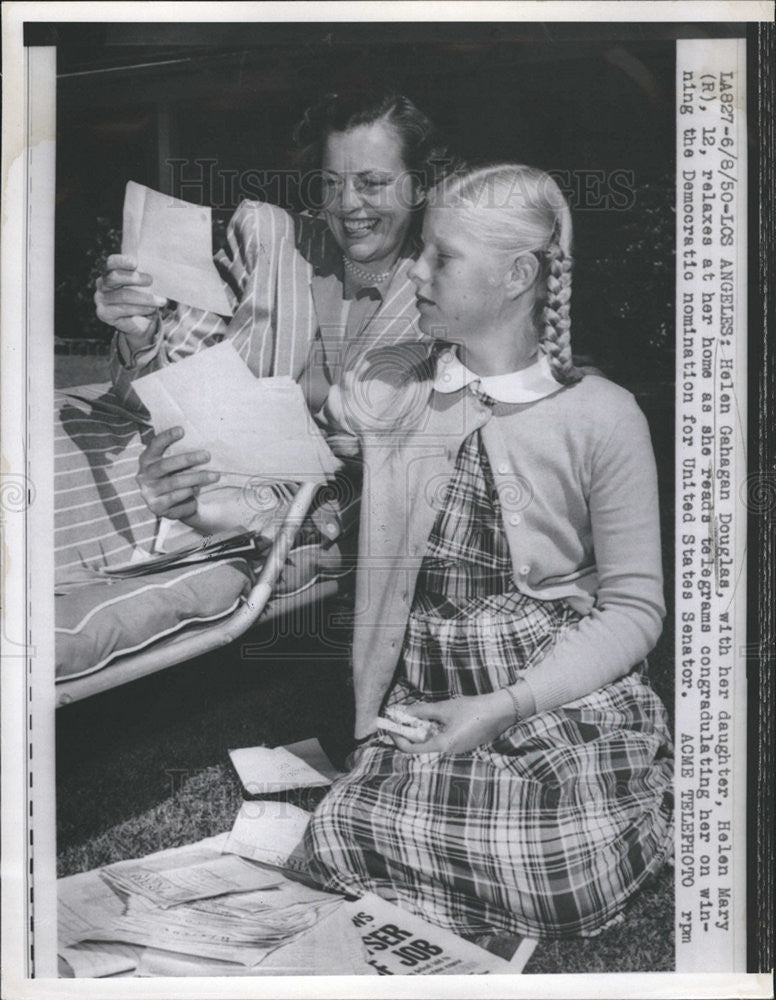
399,10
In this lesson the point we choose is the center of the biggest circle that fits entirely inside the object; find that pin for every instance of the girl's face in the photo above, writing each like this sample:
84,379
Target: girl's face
368,193
459,282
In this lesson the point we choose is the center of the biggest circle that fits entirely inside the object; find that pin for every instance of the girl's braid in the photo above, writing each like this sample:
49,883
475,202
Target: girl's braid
556,338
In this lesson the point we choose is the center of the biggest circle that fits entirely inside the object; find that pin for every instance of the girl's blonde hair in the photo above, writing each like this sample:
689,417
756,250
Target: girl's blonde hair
517,209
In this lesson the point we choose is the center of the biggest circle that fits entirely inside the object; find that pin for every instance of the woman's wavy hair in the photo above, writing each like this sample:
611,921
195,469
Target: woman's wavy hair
422,153
517,209
340,112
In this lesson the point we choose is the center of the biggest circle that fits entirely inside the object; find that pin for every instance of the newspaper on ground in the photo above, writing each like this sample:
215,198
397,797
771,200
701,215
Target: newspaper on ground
195,910
225,874
332,947
400,944
105,924
86,902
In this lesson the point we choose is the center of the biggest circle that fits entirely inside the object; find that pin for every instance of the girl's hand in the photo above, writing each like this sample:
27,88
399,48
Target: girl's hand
125,301
464,722
170,485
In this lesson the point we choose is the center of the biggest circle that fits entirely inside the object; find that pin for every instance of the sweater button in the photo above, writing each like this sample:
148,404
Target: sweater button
503,468
515,519
524,570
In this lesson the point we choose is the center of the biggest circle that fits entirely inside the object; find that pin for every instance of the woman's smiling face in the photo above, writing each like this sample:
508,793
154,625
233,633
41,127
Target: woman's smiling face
368,193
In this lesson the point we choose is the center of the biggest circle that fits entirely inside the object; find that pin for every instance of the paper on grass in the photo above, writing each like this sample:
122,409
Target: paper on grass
270,832
216,877
95,959
86,903
195,936
332,947
263,770
172,240
240,928
312,753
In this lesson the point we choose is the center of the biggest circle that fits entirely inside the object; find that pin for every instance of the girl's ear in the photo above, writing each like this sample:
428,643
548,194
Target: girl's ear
522,274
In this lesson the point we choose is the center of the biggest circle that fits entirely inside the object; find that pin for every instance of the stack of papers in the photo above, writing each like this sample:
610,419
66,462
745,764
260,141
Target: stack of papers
242,928
332,947
195,903
223,545
226,874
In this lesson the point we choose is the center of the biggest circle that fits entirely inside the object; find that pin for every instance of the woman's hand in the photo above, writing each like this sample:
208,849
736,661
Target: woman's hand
464,722
170,485
125,301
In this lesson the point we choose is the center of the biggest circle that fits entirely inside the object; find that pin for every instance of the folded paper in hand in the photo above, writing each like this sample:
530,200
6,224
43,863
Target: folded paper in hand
172,241
253,428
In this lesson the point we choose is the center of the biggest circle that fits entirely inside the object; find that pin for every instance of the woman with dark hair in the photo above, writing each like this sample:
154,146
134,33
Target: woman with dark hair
305,290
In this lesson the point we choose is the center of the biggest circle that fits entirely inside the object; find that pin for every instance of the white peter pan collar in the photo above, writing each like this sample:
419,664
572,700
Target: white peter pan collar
526,386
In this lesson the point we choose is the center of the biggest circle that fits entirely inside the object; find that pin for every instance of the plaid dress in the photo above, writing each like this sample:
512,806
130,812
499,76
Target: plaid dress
549,830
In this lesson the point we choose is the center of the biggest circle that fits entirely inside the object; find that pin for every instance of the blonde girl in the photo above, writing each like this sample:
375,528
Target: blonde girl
509,590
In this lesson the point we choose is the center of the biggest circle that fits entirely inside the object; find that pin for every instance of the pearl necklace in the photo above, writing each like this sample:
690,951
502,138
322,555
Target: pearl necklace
363,275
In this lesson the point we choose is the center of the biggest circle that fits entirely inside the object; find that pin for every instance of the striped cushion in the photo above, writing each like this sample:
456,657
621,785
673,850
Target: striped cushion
97,623
100,515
